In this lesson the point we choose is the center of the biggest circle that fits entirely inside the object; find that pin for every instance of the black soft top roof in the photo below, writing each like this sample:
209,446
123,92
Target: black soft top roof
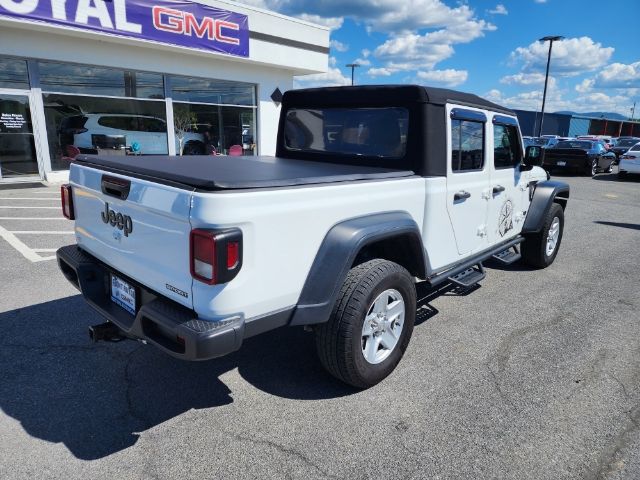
386,94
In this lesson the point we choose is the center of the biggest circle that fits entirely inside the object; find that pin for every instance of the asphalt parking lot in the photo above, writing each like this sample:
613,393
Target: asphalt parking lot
534,375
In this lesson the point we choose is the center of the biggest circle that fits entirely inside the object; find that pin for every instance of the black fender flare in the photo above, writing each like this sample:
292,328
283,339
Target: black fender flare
338,252
544,195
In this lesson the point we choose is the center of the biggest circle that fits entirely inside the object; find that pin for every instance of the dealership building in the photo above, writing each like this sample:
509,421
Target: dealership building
139,77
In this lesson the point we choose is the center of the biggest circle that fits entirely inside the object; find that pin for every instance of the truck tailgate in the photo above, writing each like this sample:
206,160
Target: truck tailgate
145,235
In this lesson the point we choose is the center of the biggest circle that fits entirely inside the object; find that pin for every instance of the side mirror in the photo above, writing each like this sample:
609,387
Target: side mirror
533,157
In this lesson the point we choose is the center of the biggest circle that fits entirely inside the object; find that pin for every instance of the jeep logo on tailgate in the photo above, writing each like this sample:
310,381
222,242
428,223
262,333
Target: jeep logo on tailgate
123,222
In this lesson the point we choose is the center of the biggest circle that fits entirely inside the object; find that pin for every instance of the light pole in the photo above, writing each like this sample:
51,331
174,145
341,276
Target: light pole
551,39
353,67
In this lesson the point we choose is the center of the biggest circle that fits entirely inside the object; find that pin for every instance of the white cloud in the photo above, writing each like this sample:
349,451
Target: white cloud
380,72
619,75
499,10
413,51
447,78
338,46
558,100
525,79
363,62
540,1
585,86
333,78
570,57
366,52
334,23
380,15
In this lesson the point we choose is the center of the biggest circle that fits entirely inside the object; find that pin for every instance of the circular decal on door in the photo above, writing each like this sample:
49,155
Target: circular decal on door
505,220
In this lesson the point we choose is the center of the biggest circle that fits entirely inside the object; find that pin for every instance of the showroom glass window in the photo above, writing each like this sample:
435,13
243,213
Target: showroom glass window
213,116
13,73
102,110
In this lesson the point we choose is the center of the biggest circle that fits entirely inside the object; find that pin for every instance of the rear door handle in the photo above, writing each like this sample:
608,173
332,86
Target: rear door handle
498,189
461,195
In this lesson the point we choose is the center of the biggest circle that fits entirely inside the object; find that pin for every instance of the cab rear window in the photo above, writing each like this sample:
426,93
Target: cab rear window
370,132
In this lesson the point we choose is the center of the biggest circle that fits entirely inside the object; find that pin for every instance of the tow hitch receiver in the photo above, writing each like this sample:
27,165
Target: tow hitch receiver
107,331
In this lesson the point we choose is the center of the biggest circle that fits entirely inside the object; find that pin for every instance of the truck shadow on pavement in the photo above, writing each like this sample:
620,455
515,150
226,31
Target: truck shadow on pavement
94,398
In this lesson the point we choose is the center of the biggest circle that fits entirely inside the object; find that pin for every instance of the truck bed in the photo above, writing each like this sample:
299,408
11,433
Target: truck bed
211,173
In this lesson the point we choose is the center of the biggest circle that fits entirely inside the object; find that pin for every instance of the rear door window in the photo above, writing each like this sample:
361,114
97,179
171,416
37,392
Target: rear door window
467,145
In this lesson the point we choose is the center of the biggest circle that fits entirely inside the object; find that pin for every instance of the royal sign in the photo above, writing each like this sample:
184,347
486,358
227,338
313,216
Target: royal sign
185,24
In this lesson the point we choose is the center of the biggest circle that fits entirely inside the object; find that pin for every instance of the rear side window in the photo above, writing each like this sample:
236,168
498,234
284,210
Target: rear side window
371,132
119,123
467,145
506,146
636,148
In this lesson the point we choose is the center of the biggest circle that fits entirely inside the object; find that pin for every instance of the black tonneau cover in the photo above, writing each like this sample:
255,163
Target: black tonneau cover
209,172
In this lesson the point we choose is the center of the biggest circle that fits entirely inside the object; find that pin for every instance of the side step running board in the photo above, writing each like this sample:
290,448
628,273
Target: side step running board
475,263
469,277
508,256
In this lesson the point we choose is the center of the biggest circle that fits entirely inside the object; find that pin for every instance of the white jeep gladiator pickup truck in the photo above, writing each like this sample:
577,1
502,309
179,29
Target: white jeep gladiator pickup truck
372,189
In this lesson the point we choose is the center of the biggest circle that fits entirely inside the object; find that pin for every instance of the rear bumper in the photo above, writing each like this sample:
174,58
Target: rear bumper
571,163
629,166
171,327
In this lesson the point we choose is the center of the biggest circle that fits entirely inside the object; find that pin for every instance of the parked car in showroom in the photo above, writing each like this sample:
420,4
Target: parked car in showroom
149,133
630,161
589,157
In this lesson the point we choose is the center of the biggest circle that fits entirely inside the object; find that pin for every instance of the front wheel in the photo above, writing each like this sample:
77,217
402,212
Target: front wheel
370,325
539,250
593,170
610,169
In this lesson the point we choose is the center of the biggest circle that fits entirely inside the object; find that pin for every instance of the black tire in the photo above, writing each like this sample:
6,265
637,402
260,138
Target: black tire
592,168
534,248
610,169
339,341
193,148
622,175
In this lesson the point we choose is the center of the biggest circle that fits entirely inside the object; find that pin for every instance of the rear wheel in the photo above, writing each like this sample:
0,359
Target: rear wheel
370,325
593,169
540,249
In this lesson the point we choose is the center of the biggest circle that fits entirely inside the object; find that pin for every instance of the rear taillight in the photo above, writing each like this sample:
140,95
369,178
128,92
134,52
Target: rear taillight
216,256
67,202
626,157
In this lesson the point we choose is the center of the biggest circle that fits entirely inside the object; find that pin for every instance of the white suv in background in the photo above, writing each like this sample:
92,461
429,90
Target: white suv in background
150,133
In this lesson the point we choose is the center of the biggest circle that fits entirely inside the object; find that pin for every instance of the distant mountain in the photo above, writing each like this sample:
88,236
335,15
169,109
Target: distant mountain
607,115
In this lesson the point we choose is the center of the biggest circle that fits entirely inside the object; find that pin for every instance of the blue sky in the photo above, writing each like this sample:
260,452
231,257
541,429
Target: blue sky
485,47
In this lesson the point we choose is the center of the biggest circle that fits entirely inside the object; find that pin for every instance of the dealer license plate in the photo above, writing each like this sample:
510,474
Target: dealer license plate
123,294
562,164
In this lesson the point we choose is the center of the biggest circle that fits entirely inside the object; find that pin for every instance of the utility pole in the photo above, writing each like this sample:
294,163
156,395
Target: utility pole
633,110
551,39
353,66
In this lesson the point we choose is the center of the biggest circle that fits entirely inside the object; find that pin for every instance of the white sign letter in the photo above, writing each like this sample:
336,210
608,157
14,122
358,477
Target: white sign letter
58,9
24,6
120,9
97,10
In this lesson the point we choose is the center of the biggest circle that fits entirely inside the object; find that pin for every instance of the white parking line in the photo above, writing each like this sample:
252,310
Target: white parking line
29,198
26,252
44,250
33,208
39,232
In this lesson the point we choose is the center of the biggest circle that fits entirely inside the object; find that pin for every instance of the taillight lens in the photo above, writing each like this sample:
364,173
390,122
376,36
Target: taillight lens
203,256
67,202
216,256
